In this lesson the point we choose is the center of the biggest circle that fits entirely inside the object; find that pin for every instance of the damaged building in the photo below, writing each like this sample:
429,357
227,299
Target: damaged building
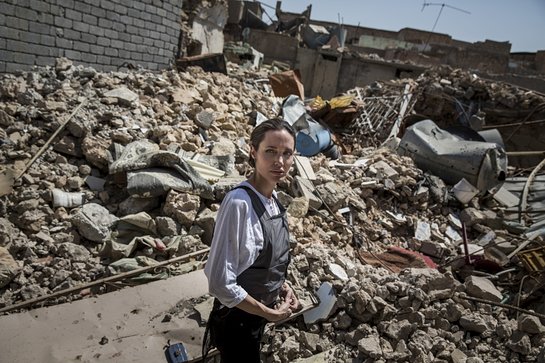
414,204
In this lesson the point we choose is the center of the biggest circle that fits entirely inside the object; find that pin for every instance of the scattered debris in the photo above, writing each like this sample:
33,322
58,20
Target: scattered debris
134,182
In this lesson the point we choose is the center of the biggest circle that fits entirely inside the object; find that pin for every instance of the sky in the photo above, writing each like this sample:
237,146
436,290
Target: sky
521,22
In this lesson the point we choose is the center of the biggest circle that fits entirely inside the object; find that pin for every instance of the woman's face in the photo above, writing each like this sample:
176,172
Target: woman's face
274,155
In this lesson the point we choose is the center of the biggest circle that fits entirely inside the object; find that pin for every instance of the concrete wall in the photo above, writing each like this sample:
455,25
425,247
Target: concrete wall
413,56
100,33
423,37
540,61
306,59
353,33
356,72
274,46
326,74
207,28
479,60
529,82
368,41
488,55
493,46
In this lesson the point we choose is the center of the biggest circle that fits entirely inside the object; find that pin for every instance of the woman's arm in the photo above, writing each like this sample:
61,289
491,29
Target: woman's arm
233,249
252,306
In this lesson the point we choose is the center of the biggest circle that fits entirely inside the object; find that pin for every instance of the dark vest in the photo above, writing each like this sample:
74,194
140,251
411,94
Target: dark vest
264,278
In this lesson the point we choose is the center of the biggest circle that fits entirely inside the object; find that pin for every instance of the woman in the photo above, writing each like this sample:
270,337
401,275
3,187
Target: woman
249,253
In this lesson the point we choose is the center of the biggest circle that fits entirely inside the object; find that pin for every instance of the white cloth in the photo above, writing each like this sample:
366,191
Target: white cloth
237,240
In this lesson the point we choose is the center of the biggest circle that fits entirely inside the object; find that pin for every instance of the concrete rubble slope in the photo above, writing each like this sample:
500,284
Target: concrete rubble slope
369,225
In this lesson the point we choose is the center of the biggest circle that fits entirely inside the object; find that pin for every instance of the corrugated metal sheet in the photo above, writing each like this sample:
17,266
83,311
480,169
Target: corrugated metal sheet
535,210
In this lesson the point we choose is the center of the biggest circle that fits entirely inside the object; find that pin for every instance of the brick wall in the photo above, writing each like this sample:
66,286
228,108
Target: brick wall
100,33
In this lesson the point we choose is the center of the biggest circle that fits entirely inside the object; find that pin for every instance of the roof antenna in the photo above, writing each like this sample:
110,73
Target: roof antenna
442,5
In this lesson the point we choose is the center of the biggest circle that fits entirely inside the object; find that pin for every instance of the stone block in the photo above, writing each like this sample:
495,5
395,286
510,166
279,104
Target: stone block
482,288
385,171
304,187
530,324
94,222
74,15
478,323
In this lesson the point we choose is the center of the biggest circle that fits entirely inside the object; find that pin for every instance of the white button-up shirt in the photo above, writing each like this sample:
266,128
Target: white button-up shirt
237,241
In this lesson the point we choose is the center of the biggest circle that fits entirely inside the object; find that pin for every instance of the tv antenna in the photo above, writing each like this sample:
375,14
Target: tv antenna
442,5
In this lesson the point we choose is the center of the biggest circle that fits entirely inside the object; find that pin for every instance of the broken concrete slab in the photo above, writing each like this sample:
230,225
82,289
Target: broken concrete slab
422,231
370,346
337,272
124,96
479,323
304,168
482,288
8,267
115,324
94,222
305,188
182,207
506,198
530,324
384,171
298,207
464,191
332,194
7,178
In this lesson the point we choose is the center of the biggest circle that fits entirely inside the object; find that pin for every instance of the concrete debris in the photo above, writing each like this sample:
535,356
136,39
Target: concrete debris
483,288
530,324
94,222
124,96
138,174
8,267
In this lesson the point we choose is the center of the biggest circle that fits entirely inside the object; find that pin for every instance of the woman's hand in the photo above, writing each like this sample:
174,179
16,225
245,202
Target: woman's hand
287,294
280,312
283,310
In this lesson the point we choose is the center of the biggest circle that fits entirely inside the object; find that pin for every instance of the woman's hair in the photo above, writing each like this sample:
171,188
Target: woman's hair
274,124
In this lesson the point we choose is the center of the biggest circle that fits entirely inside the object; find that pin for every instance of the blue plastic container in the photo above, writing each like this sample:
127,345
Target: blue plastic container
307,145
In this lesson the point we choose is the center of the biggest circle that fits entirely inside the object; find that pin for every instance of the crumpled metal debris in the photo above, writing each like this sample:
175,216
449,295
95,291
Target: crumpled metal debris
452,158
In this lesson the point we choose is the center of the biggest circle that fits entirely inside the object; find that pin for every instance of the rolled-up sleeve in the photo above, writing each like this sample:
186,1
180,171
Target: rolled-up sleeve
233,249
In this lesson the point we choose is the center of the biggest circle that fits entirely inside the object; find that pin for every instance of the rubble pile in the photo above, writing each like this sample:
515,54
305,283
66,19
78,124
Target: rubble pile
499,102
419,315
116,191
64,206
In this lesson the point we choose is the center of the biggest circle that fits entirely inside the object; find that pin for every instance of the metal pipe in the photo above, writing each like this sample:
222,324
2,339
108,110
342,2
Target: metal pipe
466,247
104,280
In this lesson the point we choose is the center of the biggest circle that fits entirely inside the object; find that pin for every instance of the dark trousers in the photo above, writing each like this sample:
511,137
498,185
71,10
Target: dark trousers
236,334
